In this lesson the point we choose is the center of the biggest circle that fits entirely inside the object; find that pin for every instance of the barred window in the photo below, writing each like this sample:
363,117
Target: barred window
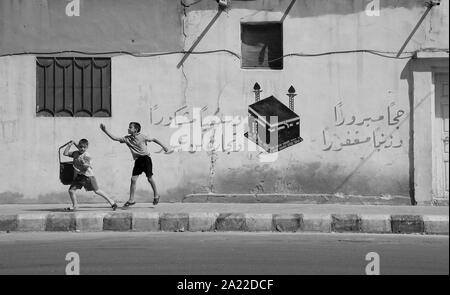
73,87
262,45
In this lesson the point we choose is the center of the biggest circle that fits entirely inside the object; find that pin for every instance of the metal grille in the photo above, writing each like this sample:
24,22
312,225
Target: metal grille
73,87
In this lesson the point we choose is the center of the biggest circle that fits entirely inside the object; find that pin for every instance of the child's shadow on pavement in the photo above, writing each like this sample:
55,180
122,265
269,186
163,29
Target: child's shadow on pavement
85,209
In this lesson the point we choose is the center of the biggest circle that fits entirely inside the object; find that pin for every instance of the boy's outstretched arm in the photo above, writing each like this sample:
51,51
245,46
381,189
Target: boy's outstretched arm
103,128
160,144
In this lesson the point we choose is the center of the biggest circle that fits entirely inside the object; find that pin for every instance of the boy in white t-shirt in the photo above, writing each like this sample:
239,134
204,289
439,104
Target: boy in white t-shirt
84,174
137,143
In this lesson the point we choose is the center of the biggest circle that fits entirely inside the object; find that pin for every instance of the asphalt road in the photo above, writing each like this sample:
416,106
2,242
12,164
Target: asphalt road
222,253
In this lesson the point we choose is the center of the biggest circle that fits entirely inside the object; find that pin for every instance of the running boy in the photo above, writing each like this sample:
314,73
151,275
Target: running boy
137,143
84,174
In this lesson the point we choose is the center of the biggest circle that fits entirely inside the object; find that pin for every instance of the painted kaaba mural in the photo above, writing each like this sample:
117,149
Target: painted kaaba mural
272,125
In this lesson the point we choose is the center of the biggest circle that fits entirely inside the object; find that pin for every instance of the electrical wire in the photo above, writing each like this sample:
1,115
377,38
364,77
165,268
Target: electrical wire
121,52
374,52
384,54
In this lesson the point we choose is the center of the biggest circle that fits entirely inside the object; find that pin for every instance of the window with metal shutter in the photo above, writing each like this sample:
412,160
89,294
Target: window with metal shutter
73,87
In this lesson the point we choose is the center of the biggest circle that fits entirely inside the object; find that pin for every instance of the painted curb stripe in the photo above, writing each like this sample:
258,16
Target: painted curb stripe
247,222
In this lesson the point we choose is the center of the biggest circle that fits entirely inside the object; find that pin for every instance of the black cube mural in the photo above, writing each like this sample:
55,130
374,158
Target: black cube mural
272,125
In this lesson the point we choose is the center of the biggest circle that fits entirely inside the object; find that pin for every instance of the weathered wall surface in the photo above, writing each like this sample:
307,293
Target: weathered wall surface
102,26
332,89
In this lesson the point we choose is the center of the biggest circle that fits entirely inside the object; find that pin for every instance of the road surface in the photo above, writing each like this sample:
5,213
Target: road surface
222,253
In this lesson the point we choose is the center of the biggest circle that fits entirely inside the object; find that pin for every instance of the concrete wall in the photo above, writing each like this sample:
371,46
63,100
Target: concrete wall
102,25
354,84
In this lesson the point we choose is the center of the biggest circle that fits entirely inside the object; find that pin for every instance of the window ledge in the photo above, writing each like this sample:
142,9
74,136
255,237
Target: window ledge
263,16
431,54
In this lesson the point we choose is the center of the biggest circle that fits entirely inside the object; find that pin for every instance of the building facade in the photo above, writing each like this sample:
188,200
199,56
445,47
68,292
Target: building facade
368,81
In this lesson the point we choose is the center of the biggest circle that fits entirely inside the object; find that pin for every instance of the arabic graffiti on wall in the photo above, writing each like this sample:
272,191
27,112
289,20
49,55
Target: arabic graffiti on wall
381,131
218,133
197,131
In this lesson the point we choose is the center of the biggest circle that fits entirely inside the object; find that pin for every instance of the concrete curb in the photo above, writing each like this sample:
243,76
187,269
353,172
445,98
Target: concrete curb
32,222
8,222
231,222
89,222
317,223
259,222
287,222
202,221
407,224
377,224
178,222
117,221
60,222
342,223
435,224
213,221
145,222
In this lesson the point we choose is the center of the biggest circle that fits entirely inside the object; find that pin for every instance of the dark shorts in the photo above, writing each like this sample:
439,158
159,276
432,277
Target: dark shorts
88,182
143,165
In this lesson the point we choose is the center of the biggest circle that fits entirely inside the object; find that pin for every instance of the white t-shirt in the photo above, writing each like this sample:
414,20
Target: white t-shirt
137,144
79,160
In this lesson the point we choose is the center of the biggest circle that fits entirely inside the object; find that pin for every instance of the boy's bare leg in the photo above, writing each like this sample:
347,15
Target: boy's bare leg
133,188
73,198
104,196
153,184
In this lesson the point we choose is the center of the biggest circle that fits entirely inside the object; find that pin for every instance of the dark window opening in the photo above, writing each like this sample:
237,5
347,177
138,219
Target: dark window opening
73,87
262,45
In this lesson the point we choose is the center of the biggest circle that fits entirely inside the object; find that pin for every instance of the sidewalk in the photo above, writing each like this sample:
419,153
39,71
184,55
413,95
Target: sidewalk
228,217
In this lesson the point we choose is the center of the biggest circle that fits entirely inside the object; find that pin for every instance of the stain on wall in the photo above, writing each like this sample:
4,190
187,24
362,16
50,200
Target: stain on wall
136,25
102,26
306,8
11,198
306,178
8,131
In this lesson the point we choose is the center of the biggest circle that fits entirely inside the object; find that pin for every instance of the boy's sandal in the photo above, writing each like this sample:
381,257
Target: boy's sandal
156,200
129,204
